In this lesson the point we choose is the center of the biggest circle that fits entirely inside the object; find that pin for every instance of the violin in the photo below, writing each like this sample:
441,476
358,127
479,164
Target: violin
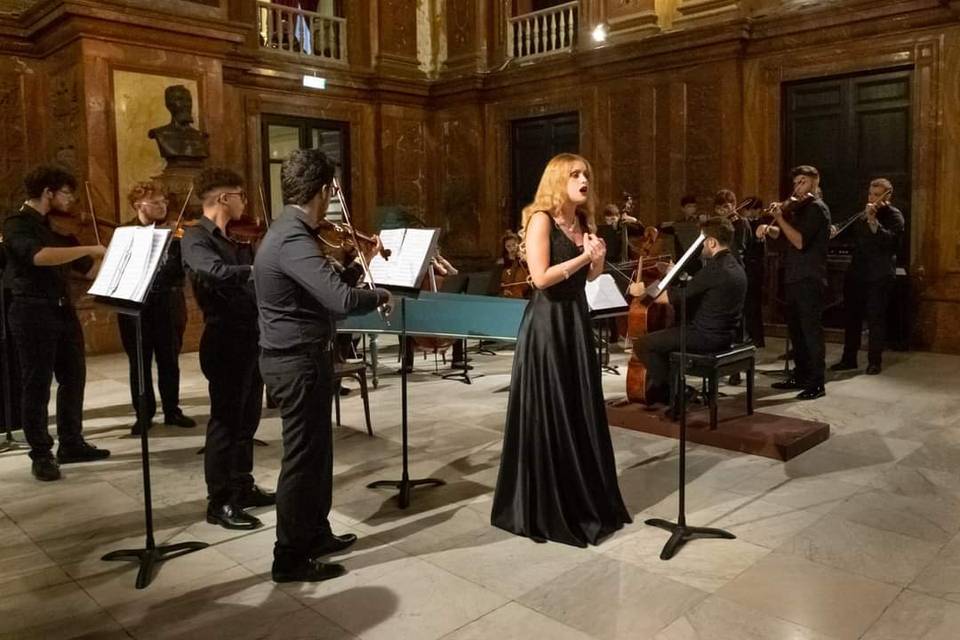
337,241
881,202
748,203
787,208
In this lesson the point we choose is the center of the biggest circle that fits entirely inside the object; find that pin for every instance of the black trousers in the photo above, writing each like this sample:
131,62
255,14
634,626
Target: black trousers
302,386
864,300
804,308
49,342
753,304
163,322
228,359
654,351
11,364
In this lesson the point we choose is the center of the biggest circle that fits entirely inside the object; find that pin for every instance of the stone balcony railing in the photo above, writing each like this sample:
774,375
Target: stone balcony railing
302,33
543,33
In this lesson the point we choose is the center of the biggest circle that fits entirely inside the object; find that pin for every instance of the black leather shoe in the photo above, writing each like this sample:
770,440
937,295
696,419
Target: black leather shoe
309,571
734,379
788,384
137,427
873,369
231,516
843,365
83,452
257,497
812,393
46,469
180,420
331,544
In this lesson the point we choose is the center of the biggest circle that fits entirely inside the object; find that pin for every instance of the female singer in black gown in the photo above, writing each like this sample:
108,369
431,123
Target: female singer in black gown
558,478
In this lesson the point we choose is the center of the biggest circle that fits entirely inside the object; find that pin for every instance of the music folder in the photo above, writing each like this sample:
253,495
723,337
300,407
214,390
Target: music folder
658,287
604,297
130,264
410,253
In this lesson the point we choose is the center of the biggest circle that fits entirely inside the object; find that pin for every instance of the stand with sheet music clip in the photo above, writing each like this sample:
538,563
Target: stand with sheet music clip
428,314
606,302
123,283
680,532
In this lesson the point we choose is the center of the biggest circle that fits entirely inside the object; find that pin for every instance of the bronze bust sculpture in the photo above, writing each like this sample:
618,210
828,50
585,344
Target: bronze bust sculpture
178,141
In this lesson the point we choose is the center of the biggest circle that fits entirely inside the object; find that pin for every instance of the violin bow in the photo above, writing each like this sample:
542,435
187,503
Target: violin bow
183,209
368,277
93,213
263,206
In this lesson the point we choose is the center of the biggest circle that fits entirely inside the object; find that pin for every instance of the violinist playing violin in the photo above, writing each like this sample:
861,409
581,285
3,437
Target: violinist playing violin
717,292
803,236
221,275
300,297
163,319
876,238
43,322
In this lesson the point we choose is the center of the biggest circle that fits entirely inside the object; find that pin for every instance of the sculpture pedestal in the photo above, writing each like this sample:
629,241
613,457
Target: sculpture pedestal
177,178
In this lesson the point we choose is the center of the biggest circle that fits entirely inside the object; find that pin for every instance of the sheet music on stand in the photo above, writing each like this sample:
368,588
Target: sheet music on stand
129,266
658,287
603,295
410,254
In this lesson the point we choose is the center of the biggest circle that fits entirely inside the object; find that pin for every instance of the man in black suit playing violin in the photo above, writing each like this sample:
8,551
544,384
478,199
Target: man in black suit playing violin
876,236
803,236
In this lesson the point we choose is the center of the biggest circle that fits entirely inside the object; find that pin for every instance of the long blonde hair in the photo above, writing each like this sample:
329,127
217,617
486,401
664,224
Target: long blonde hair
552,190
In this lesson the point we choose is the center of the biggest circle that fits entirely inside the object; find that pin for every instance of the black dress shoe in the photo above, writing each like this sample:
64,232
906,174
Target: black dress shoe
231,516
788,384
180,420
137,427
812,393
46,469
257,497
734,379
344,391
82,452
331,544
843,365
309,571
873,369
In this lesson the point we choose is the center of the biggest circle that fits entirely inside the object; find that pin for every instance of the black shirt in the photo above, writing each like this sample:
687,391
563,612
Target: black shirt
812,221
220,272
24,235
742,235
300,292
717,291
170,275
875,254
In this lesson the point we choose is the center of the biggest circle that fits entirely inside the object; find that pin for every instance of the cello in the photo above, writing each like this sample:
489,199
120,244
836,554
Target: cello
645,316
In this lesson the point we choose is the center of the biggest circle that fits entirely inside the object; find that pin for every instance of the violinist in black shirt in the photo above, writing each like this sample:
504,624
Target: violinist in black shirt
716,293
222,279
804,239
876,238
301,294
43,322
163,319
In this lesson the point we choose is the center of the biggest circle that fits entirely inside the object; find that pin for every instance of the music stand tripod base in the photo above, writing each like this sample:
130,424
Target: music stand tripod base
681,533
405,485
148,558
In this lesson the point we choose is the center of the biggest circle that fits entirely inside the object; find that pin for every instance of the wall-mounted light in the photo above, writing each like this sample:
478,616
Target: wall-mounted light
600,33
314,82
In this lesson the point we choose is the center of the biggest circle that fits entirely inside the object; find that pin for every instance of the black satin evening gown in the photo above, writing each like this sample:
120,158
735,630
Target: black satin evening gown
558,478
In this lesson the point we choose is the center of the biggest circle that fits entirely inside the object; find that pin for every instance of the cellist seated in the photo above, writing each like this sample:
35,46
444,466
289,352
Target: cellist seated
716,293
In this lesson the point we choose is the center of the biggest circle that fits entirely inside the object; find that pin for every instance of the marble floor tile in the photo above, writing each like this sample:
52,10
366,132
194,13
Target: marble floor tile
914,615
941,577
931,517
515,622
609,599
938,458
60,611
719,619
830,601
418,601
704,564
815,494
874,553
504,563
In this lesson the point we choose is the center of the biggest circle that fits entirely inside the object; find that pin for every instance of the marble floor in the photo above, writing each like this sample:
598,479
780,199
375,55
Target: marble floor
857,538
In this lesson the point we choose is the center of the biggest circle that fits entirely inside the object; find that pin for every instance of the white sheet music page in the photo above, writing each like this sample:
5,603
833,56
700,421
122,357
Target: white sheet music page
410,253
130,262
603,294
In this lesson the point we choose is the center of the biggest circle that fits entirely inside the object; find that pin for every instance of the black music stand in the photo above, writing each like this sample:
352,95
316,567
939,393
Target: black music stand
475,284
151,554
404,485
679,530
